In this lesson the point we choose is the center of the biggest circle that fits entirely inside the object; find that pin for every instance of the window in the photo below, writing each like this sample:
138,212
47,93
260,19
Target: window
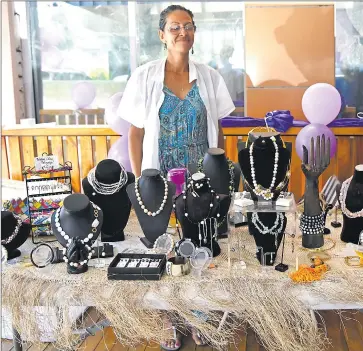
102,42
349,56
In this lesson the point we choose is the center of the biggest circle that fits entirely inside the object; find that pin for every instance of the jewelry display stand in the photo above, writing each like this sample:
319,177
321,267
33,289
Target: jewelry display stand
242,203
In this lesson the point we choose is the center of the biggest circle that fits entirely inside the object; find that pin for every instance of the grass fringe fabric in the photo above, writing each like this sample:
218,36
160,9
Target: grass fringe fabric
272,307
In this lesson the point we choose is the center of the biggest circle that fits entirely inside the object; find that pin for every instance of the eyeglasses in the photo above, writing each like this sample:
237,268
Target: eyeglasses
176,28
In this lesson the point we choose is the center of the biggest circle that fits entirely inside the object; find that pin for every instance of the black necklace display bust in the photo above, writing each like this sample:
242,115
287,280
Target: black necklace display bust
77,222
352,203
264,161
9,223
116,207
269,242
196,202
155,195
224,177
268,154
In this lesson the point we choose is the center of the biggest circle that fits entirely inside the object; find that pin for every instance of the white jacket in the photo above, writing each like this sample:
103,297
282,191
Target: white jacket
143,97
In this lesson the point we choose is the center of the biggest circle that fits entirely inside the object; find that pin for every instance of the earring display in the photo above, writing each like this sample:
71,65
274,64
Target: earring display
137,266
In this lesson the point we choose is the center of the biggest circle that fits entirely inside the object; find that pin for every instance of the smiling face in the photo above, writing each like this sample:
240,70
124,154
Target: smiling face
178,33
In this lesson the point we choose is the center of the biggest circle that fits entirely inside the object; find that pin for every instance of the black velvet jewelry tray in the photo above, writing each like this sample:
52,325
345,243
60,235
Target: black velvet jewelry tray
136,273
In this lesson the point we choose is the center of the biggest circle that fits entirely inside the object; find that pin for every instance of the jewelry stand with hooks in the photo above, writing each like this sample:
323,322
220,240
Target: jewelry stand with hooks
28,172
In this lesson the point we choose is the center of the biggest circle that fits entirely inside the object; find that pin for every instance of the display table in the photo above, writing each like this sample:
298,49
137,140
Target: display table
276,308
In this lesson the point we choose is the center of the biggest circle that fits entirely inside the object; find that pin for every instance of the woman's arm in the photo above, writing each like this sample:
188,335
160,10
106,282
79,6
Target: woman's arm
136,138
220,136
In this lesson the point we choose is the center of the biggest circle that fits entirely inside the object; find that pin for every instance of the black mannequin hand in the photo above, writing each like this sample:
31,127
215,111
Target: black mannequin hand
312,168
319,159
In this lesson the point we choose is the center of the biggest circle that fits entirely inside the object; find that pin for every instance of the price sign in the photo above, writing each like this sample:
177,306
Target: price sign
46,163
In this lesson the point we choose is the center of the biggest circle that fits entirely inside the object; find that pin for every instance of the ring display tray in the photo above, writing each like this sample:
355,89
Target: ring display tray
115,272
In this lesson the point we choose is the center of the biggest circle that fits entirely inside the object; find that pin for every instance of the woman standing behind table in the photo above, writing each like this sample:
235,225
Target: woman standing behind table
174,104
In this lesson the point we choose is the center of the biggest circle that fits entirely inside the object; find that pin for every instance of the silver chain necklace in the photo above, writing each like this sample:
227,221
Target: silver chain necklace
15,232
343,197
104,188
275,229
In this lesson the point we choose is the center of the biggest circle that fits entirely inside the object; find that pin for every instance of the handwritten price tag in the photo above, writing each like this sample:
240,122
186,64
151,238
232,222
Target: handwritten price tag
46,163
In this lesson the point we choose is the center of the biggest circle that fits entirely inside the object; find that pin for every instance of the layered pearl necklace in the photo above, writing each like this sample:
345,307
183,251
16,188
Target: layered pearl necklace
141,203
267,194
104,188
89,237
342,198
15,232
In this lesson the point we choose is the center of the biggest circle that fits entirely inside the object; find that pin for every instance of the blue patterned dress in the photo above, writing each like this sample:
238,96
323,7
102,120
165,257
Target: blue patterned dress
183,135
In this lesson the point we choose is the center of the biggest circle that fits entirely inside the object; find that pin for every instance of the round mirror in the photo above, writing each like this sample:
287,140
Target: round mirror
164,244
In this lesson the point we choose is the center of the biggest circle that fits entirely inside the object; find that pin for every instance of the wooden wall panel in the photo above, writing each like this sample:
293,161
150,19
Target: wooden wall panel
4,159
349,151
86,155
72,156
27,144
100,148
15,158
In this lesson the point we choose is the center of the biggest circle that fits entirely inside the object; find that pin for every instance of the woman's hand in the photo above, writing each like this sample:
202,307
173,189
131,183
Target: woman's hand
136,138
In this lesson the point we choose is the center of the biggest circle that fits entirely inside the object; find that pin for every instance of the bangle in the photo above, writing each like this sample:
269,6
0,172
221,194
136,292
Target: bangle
177,266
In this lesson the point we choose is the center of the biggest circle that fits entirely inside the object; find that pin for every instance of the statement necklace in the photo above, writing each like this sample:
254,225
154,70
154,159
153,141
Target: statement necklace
206,222
94,226
15,232
258,189
104,188
343,197
230,170
139,199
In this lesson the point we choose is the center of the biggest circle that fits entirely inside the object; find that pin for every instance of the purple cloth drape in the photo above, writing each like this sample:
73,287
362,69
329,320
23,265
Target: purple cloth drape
231,121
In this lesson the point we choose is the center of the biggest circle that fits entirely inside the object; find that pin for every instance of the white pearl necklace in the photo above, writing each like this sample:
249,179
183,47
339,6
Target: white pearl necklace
94,226
258,189
139,199
275,229
15,232
104,188
342,198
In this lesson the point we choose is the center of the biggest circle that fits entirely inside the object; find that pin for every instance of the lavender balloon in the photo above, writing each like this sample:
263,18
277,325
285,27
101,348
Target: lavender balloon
321,103
83,94
119,152
117,124
312,131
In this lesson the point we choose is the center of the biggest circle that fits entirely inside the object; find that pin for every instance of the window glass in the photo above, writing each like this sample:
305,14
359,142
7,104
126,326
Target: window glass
100,43
349,56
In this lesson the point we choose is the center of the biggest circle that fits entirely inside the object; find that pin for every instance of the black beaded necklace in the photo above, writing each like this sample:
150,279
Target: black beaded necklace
230,170
191,189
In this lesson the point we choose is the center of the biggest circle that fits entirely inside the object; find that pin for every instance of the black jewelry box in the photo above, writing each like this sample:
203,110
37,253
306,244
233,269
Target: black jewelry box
136,273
